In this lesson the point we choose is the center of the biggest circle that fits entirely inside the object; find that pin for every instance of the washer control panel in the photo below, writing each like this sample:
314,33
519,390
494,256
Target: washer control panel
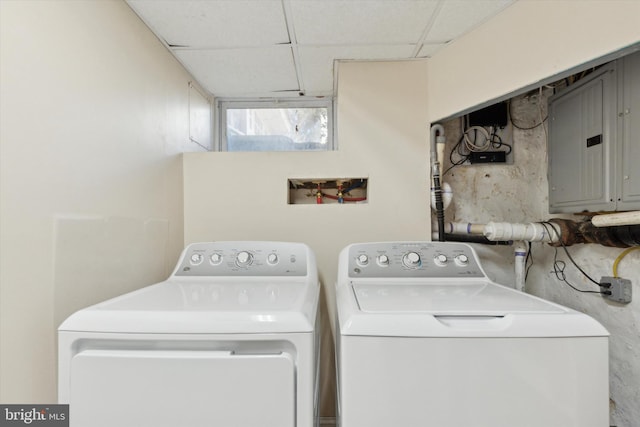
413,259
243,259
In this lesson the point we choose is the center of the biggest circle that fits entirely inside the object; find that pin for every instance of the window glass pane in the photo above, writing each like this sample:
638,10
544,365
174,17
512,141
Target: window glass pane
277,129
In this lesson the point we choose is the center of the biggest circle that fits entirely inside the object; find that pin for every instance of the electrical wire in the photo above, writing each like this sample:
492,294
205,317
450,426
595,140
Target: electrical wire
473,145
462,150
619,258
459,149
526,261
559,266
466,144
544,128
547,223
496,142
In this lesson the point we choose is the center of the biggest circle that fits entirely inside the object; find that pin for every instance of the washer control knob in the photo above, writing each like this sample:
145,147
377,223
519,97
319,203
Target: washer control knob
244,259
462,260
272,259
196,259
411,260
362,260
383,260
216,259
440,260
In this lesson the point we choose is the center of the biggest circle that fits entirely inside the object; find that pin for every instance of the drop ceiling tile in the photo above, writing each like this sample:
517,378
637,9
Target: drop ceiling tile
316,62
460,16
215,23
340,22
236,72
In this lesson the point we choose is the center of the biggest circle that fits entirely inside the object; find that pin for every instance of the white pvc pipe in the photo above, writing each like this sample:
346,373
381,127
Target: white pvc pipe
461,228
520,251
532,232
505,231
465,228
621,218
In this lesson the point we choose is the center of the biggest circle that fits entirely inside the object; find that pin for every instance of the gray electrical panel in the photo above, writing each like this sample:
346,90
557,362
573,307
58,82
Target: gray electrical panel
629,134
594,141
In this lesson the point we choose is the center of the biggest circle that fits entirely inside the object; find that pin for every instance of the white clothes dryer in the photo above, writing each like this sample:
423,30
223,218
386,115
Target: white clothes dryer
426,339
229,339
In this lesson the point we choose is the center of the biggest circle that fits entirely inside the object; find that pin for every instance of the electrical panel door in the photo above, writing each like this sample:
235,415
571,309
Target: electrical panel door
581,127
629,123
594,141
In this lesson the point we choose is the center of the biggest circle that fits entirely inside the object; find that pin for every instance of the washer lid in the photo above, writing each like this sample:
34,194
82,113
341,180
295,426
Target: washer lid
469,309
469,298
204,306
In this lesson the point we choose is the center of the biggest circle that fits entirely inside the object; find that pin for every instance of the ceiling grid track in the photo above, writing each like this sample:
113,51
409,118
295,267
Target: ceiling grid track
427,29
288,18
288,48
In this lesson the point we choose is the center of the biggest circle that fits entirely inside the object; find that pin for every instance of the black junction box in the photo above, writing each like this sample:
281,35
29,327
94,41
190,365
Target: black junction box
488,157
494,115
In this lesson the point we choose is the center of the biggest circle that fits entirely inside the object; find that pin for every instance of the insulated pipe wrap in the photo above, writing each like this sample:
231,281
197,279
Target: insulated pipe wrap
585,232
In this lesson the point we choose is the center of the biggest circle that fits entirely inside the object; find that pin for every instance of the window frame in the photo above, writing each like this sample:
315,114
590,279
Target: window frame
222,105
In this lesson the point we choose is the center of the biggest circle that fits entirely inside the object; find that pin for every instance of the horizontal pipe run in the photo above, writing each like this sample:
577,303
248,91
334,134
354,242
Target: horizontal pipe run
532,232
464,228
573,232
620,218
556,232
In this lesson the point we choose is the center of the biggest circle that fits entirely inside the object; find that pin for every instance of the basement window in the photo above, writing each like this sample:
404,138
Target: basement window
276,125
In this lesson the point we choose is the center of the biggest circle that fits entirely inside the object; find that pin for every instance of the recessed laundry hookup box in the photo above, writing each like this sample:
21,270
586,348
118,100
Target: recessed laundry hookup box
327,190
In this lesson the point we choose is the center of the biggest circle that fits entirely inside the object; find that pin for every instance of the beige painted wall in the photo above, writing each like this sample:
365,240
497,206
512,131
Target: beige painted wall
93,114
382,133
93,118
527,43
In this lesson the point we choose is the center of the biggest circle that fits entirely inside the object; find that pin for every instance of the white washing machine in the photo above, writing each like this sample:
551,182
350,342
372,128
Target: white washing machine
229,339
426,339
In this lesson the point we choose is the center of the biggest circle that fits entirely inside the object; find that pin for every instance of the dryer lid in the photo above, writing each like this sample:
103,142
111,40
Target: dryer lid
204,306
469,298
